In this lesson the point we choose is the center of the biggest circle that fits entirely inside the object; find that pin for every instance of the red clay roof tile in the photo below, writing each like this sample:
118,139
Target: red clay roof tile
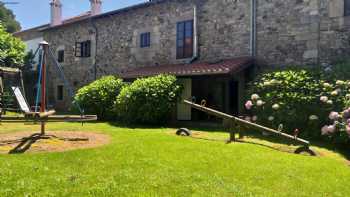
230,66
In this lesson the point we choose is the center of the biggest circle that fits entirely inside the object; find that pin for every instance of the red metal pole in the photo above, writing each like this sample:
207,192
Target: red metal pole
43,84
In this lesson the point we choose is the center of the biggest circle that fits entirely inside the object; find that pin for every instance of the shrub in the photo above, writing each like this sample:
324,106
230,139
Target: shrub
99,96
148,100
11,49
299,99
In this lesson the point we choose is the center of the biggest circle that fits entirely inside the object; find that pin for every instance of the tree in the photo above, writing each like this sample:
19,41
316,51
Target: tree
11,50
7,19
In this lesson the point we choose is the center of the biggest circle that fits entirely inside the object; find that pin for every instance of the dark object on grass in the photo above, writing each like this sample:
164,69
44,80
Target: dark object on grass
183,132
305,149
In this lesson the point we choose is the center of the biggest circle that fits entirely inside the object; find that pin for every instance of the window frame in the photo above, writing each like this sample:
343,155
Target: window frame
184,39
83,49
145,40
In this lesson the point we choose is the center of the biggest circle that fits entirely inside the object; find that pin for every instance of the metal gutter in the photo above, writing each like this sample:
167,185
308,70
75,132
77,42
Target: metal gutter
253,28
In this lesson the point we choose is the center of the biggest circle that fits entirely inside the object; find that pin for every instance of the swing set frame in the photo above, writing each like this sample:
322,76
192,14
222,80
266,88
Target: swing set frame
43,116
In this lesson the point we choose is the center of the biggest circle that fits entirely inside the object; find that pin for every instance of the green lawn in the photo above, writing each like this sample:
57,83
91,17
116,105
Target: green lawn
154,162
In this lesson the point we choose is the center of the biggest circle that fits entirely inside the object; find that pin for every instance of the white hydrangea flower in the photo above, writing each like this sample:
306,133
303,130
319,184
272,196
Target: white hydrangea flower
275,106
313,117
255,97
324,99
260,103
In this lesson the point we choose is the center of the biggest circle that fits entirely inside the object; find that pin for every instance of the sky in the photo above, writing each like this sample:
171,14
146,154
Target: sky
32,13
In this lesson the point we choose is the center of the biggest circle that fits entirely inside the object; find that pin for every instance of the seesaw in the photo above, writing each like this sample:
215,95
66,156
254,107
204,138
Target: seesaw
235,125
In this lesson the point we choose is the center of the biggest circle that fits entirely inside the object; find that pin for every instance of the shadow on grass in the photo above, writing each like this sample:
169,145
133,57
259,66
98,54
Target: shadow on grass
134,126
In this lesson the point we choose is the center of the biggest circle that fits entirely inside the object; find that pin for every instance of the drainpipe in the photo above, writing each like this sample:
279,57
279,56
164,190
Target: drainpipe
96,44
253,29
195,35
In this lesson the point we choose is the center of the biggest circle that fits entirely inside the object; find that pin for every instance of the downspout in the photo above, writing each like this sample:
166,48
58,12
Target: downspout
253,29
96,44
195,35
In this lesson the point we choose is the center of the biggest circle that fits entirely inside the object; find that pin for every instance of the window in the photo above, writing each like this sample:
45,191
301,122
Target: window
60,56
83,49
145,40
184,39
60,92
347,7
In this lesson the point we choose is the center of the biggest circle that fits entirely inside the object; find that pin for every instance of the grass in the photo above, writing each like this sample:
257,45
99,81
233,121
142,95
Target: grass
154,162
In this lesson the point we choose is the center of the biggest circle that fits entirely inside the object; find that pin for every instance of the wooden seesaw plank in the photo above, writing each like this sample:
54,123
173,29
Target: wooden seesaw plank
53,118
245,123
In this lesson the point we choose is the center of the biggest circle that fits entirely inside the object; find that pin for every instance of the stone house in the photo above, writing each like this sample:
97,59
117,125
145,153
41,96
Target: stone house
210,45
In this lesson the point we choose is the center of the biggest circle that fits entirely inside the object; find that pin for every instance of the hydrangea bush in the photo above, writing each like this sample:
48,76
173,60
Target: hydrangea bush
303,101
98,97
148,100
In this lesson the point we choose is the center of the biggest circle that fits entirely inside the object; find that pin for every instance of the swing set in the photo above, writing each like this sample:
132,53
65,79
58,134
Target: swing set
40,114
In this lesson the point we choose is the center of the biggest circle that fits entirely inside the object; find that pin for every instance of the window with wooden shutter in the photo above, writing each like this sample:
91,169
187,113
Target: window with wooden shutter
83,49
184,39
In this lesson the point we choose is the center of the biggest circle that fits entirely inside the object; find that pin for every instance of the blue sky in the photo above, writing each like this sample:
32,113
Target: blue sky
31,13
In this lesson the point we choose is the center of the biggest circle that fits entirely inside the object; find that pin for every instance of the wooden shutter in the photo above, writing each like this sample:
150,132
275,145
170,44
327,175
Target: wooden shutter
78,46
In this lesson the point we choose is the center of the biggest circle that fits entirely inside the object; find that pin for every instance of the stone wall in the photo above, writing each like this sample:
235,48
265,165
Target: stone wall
223,32
299,32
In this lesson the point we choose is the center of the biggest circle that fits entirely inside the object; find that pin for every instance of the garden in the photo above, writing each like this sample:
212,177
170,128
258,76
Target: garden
131,150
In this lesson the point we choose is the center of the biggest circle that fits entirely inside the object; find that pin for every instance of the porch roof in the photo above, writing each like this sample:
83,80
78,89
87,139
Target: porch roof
230,66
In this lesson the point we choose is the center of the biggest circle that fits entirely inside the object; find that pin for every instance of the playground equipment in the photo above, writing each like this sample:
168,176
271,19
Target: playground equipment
236,125
43,115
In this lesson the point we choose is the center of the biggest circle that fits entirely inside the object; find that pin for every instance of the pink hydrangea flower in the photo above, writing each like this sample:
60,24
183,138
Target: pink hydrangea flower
248,105
331,128
346,114
324,130
333,115
348,129
248,118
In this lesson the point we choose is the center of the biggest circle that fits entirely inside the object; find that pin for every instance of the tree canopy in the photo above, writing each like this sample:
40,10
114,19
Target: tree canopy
7,19
12,50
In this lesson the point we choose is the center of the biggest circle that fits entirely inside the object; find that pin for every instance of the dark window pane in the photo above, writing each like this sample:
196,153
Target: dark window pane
180,43
189,25
60,56
179,52
145,40
60,92
180,27
188,34
347,7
